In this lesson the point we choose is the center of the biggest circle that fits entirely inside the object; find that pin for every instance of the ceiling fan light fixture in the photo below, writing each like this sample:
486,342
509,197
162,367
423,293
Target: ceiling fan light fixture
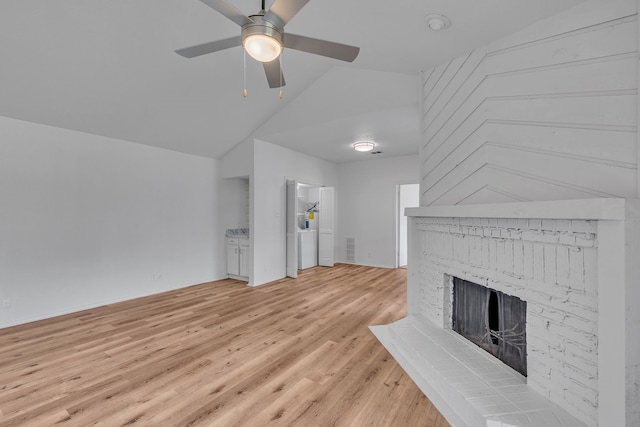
262,47
262,40
364,146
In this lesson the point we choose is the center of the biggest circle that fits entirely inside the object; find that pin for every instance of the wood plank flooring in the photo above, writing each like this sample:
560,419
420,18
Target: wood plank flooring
293,352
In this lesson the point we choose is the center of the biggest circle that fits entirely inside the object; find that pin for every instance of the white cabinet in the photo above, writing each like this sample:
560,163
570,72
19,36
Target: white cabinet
244,257
233,257
238,258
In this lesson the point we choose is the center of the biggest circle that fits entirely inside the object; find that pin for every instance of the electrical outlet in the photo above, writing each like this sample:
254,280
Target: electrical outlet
156,276
5,302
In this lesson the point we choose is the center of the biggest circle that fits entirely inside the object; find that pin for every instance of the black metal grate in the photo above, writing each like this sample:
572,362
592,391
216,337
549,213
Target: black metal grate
492,320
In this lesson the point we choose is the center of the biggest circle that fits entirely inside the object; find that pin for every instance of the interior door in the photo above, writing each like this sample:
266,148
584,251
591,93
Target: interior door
326,227
292,227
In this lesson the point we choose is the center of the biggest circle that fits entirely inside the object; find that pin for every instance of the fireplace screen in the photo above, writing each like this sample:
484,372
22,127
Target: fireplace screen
492,320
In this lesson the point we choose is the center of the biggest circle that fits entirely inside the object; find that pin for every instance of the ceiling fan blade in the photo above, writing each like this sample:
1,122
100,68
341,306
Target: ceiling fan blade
204,48
274,74
229,11
281,11
339,51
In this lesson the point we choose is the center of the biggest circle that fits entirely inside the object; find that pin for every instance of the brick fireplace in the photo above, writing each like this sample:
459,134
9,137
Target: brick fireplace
575,264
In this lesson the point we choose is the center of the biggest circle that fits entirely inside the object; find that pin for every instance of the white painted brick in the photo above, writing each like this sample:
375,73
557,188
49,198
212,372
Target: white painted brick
485,253
584,402
591,271
584,338
550,263
535,224
476,250
548,225
563,225
518,258
580,310
493,255
578,371
550,237
577,322
568,239
538,261
576,269
468,222
502,223
581,370
585,239
562,266
500,255
537,367
522,223
527,248
515,234
589,352
508,257
546,313
533,235
582,226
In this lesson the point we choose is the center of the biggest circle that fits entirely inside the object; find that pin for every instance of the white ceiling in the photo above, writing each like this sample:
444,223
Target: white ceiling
108,67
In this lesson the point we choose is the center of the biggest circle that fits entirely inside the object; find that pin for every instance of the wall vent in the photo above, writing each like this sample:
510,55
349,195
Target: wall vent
351,250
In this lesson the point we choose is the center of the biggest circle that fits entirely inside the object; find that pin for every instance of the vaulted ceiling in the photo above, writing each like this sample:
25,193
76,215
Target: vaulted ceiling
108,67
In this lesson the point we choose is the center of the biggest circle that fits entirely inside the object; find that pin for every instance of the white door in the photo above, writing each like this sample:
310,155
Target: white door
292,227
326,227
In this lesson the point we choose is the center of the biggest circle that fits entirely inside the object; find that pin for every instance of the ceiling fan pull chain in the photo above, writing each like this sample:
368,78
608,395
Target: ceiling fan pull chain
281,66
244,73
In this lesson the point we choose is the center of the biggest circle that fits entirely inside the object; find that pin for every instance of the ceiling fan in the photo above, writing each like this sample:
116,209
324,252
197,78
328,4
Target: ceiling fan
263,37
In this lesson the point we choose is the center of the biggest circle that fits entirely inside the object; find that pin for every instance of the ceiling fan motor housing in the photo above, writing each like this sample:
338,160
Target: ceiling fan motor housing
260,27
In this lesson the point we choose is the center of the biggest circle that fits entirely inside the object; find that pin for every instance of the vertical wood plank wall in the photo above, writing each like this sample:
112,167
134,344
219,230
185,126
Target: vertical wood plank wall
549,113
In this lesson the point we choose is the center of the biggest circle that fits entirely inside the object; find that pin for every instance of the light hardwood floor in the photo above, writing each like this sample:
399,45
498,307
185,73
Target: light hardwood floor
293,352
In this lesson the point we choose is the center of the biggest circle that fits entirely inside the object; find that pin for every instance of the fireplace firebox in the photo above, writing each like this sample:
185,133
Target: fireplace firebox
492,320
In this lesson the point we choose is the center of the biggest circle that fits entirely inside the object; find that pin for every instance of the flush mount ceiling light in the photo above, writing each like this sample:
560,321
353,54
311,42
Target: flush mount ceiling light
364,146
262,40
437,22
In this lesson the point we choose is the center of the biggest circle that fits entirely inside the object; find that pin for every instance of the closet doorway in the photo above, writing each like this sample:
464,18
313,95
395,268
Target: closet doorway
310,226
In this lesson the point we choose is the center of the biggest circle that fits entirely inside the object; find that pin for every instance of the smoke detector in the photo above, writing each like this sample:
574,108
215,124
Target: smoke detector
437,22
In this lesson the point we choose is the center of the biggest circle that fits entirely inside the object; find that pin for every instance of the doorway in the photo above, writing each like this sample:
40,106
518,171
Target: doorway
408,196
309,225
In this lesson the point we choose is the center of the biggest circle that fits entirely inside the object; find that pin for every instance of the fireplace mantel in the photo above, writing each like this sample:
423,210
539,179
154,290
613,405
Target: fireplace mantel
593,248
584,209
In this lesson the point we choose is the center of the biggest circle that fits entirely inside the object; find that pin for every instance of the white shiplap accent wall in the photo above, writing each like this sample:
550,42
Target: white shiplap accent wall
547,114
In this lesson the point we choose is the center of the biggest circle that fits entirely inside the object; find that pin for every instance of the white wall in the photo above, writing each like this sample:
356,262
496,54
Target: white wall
408,197
549,113
238,161
234,203
87,220
272,166
367,200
